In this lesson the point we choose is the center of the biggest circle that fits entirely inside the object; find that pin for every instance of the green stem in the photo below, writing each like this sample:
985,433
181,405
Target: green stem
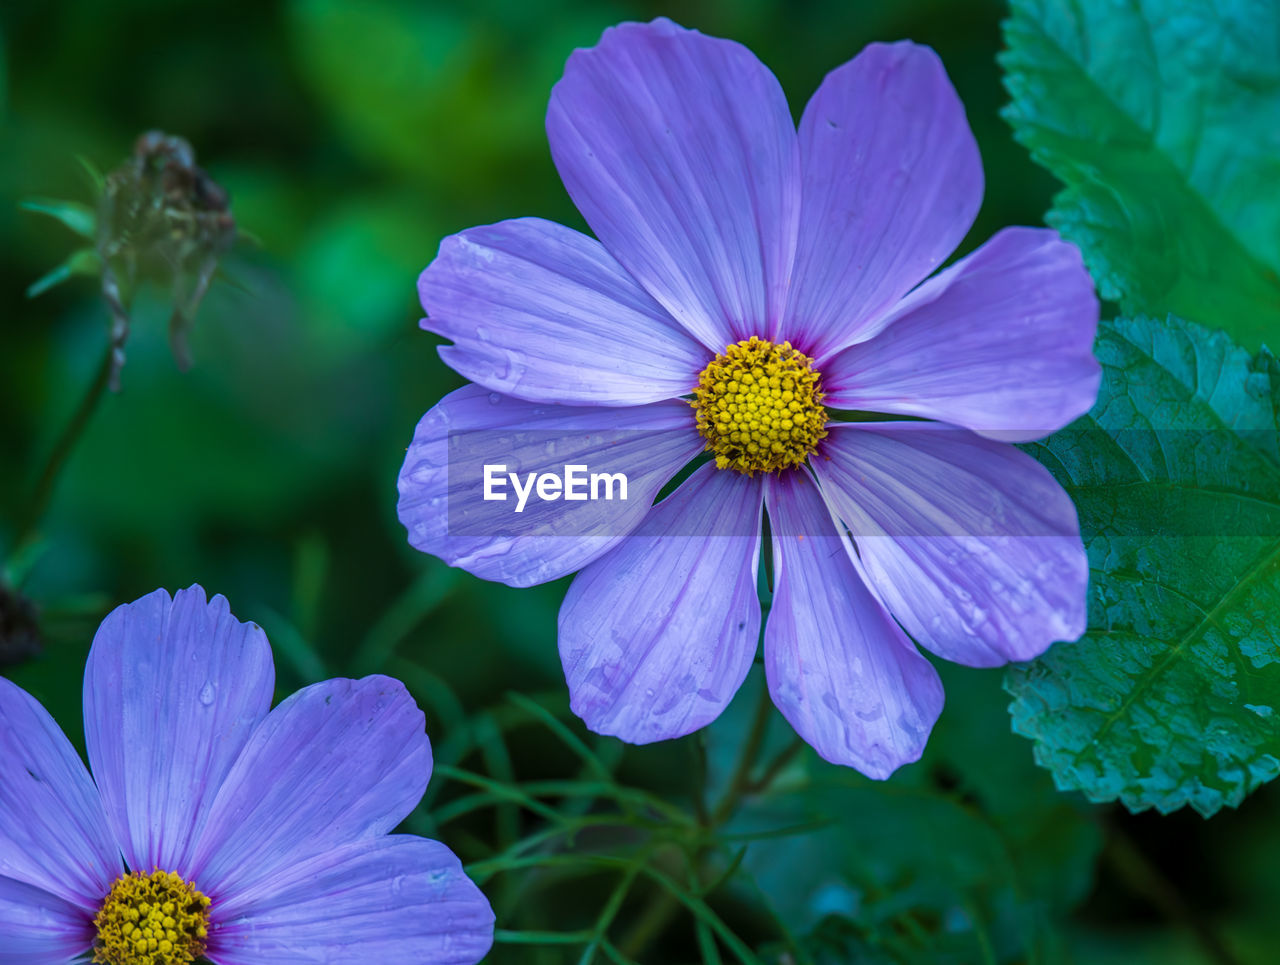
653,921
1146,880
698,746
740,782
775,767
663,906
61,451
600,933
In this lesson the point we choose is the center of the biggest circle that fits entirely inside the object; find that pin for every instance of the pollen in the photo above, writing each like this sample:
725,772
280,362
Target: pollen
759,406
151,919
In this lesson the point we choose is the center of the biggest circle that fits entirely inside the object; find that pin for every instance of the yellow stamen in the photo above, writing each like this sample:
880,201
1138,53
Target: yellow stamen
759,406
155,919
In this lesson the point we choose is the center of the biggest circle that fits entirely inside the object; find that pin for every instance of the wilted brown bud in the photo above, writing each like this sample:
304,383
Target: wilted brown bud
161,216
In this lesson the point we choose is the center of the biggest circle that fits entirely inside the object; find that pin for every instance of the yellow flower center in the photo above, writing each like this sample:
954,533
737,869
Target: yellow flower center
759,407
155,919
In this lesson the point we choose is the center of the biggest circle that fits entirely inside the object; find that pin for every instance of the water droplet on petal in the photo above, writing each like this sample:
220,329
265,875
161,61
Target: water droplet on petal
207,694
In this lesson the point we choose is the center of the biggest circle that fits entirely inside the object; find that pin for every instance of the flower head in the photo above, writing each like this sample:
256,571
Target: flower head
750,283
213,825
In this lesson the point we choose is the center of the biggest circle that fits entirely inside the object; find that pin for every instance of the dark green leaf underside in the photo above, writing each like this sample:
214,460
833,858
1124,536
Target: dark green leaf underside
1159,116
1173,696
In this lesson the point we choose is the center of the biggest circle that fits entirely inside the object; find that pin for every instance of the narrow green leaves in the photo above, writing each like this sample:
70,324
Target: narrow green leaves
1160,118
1173,696
80,218
82,262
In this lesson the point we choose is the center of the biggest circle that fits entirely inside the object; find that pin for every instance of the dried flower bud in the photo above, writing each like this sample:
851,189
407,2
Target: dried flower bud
160,216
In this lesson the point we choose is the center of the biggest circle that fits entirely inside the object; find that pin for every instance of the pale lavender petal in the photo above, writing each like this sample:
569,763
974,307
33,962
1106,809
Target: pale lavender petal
841,671
37,928
680,152
396,899
442,483
53,833
543,313
970,543
337,762
172,691
892,181
1000,343
657,636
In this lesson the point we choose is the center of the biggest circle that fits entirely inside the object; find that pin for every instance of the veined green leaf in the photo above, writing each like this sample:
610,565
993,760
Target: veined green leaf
1160,117
1173,695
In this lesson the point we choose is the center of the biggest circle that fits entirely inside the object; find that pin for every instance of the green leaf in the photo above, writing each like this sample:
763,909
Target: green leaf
1053,839
1159,116
80,218
970,850
1173,695
97,180
82,262
910,871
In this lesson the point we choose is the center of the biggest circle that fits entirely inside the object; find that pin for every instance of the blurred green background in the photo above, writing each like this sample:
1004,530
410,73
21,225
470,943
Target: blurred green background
353,137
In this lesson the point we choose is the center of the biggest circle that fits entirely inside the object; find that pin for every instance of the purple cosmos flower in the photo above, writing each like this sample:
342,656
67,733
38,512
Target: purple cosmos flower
749,280
248,835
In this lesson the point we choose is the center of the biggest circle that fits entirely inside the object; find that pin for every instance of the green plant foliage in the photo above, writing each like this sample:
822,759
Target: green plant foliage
358,267
352,137
909,870
969,856
410,82
1052,839
1159,116
82,262
80,218
1173,696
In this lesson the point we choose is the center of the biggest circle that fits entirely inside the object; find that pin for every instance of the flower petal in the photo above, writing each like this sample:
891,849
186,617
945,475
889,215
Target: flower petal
442,484
172,691
543,313
40,928
53,832
841,671
393,899
657,636
971,544
336,762
1001,343
680,152
892,181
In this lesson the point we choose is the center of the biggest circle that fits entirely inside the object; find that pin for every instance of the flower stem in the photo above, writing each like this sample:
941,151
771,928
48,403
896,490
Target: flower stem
653,921
663,907
775,767
61,451
740,782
